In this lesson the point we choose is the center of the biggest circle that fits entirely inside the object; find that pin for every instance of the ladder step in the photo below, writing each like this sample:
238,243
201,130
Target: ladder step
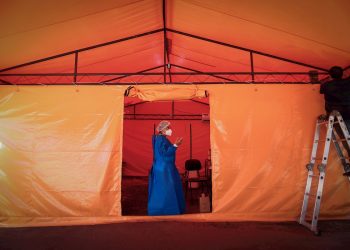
314,175
326,122
341,140
311,195
318,159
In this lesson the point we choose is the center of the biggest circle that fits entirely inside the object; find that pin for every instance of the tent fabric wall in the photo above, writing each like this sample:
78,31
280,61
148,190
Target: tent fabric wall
261,141
61,150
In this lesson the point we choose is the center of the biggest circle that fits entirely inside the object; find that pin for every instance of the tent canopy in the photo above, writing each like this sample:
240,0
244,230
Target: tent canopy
187,35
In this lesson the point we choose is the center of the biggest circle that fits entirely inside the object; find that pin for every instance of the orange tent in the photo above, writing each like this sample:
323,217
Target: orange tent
64,69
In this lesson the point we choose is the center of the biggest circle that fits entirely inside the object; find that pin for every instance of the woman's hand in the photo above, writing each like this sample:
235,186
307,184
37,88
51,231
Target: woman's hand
178,141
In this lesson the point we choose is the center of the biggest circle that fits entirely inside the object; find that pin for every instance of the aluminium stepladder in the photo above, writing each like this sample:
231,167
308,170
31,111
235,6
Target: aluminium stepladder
334,117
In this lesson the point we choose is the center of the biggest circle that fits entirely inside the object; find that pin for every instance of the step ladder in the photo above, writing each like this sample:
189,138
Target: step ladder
331,135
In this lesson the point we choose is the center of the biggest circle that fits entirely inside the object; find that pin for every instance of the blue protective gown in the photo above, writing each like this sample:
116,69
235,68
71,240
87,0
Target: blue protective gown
165,194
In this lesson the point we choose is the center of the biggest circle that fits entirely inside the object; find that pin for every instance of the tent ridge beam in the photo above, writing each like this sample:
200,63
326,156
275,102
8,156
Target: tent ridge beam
244,49
84,49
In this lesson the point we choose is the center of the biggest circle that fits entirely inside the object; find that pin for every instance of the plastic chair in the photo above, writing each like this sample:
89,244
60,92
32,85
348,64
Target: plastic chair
195,165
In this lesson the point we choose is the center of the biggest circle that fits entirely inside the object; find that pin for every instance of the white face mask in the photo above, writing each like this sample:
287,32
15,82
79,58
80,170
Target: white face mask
169,132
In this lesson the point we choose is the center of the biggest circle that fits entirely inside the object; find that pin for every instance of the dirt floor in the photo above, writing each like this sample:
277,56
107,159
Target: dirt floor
179,235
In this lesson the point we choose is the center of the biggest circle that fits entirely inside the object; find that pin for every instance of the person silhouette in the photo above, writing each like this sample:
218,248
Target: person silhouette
165,193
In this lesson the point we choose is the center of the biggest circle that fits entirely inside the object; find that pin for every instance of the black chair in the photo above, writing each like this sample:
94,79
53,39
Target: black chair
195,165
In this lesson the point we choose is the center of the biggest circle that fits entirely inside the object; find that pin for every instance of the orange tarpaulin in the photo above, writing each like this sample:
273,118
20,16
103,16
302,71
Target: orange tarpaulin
61,147
60,156
309,32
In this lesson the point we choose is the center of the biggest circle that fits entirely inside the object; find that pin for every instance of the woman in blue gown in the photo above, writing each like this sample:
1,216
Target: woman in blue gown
165,194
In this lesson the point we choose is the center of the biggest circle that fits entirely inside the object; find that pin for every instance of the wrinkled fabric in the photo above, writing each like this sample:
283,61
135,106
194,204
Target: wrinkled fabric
58,157
61,164
286,29
165,194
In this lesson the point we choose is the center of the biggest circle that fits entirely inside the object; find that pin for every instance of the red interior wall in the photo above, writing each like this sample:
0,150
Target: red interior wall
137,143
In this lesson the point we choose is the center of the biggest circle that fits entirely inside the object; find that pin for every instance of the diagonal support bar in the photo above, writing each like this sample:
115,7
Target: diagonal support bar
244,49
126,75
6,82
83,49
200,72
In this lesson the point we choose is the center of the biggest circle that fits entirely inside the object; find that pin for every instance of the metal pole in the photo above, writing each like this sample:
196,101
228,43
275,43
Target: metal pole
144,73
75,67
153,83
134,111
164,73
252,66
165,41
190,141
172,109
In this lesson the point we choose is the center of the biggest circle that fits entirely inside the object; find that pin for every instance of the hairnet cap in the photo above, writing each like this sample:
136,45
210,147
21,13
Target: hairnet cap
163,125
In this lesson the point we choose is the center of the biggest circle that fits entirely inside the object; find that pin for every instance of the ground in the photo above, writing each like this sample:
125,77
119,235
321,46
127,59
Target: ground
179,235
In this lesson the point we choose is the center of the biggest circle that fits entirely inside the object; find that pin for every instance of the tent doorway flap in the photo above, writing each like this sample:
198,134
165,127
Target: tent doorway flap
159,93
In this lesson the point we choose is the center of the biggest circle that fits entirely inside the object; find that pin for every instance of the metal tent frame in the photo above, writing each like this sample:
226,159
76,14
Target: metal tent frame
7,78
